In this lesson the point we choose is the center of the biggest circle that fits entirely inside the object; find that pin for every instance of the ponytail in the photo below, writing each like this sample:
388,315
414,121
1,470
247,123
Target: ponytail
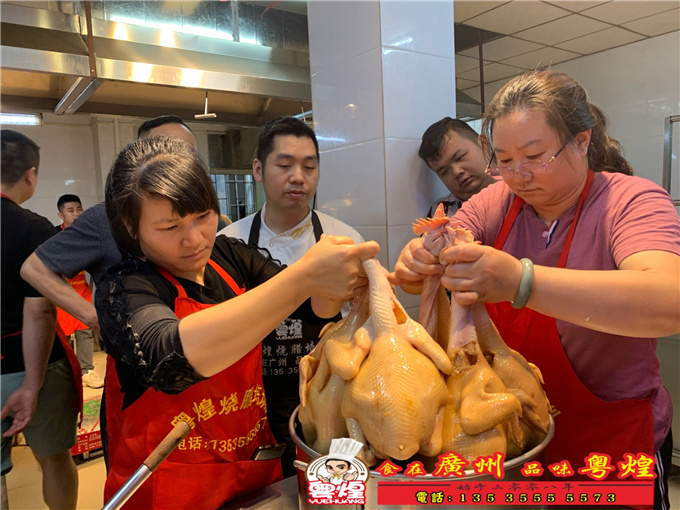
604,152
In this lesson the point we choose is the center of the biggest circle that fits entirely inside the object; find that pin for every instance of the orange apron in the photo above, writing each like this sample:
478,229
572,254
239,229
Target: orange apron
68,323
229,420
584,423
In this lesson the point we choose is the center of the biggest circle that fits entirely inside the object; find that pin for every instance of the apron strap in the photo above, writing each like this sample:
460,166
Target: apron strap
181,293
516,207
316,225
509,221
572,229
254,234
227,278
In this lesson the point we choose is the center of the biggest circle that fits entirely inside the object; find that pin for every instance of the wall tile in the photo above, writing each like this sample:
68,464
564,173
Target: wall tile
352,184
410,25
398,236
339,30
411,185
63,169
416,88
347,101
618,81
412,312
646,156
409,301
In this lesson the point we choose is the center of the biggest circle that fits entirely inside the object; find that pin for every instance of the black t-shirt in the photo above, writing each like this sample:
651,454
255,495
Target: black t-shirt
22,232
135,306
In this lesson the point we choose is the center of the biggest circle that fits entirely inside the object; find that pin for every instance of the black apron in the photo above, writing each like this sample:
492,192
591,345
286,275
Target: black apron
282,351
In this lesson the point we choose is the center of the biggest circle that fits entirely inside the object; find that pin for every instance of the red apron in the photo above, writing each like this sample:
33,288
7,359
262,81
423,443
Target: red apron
584,423
229,421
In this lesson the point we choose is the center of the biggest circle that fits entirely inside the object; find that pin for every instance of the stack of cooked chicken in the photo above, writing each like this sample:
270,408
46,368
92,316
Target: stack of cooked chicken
447,383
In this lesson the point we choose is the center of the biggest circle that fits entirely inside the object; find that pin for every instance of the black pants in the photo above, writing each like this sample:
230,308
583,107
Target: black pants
663,468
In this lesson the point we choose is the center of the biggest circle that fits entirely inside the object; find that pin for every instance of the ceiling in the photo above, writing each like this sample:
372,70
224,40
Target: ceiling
535,34
255,61
155,57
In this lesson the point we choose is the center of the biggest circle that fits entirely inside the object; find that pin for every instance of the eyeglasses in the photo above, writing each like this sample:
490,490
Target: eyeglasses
525,169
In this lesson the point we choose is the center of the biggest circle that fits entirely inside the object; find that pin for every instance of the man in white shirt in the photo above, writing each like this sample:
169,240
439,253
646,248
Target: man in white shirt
453,151
287,165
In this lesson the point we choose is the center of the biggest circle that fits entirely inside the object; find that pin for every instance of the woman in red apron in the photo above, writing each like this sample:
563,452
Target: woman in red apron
184,335
597,282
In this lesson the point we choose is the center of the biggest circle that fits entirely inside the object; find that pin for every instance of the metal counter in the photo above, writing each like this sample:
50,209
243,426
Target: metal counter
281,495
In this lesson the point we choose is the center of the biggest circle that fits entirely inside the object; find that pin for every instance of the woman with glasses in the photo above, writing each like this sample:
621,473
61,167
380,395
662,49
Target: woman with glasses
579,265
183,318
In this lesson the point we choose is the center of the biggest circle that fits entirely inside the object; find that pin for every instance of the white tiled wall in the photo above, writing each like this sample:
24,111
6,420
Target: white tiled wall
67,163
374,93
637,86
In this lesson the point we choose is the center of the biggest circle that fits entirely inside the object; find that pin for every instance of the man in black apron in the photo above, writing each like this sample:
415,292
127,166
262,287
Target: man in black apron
287,165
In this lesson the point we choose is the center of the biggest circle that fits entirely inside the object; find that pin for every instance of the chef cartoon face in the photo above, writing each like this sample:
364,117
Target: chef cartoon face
337,467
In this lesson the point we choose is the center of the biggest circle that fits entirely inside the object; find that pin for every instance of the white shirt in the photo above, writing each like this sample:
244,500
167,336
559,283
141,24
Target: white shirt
291,245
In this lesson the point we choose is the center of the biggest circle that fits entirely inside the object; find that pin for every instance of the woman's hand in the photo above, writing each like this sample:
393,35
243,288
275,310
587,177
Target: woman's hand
332,267
480,273
414,264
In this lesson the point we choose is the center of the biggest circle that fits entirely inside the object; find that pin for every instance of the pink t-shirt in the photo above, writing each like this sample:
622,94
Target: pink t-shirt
622,215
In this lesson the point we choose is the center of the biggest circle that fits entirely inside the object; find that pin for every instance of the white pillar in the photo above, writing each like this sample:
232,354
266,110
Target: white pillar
382,72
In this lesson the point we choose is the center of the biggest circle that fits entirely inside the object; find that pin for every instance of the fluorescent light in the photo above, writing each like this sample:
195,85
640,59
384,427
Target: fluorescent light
23,119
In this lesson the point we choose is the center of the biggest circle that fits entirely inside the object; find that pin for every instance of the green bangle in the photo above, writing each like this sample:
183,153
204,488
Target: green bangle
526,282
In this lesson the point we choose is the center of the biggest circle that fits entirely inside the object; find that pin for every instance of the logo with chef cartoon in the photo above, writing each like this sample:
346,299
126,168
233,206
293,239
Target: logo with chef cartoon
338,478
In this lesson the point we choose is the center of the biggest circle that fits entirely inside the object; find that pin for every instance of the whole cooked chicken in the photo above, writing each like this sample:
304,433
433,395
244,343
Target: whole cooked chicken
396,402
402,388
321,386
521,378
482,416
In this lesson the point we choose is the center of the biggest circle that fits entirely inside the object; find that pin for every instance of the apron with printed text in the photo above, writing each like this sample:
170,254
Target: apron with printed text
584,423
282,351
212,464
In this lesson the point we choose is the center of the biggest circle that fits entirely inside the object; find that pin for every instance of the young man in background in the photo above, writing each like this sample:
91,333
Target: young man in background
287,165
453,151
70,207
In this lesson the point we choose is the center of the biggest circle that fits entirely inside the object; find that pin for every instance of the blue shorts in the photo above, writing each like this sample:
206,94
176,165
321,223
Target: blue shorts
53,427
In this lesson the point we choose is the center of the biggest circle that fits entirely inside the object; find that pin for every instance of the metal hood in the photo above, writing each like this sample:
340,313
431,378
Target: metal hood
153,58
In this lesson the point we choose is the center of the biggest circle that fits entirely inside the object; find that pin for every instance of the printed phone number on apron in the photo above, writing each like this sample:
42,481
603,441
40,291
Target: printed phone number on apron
224,445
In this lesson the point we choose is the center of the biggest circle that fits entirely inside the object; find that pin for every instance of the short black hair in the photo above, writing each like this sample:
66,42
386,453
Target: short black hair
159,121
282,126
19,153
64,199
436,135
161,167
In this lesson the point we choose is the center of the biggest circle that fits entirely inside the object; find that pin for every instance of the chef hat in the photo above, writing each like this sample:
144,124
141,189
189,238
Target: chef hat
344,449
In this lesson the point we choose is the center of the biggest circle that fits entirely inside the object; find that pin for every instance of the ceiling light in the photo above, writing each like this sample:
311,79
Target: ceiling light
24,119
